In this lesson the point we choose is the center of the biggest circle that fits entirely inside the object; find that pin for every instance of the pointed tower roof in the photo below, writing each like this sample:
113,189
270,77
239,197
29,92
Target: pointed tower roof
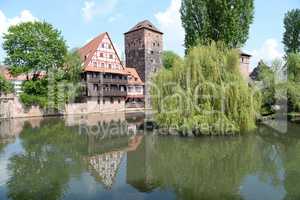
146,24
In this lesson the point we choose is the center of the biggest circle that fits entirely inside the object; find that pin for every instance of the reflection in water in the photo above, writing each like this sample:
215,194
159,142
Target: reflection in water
109,157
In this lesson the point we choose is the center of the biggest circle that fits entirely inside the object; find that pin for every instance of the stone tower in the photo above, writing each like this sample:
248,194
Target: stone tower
143,49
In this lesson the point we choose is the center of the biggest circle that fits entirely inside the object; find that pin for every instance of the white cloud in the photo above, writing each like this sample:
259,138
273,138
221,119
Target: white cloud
269,51
170,23
5,23
92,8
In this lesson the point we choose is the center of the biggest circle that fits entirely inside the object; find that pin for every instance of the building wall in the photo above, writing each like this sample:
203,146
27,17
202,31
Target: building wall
11,107
133,90
245,66
143,50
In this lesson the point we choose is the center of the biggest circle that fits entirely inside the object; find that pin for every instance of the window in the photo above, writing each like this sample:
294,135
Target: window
109,46
109,65
154,44
101,55
111,100
103,101
119,101
96,88
95,64
111,56
102,64
138,89
152,52
158,44
103,45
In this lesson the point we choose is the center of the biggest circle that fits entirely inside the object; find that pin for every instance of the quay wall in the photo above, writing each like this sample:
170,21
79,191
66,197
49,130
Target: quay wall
11,107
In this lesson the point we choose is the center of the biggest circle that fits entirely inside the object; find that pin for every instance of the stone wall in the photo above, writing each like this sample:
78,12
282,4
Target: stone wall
11,107
143,49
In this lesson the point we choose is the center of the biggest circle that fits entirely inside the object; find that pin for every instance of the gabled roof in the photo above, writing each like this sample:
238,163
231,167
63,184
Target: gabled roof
87,52
136,79
146,24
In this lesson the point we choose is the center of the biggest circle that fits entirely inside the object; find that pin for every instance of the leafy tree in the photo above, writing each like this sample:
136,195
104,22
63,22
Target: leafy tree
292,85
205,94
5,86
73,66
291,38
34,46
266,76
217,20
168,59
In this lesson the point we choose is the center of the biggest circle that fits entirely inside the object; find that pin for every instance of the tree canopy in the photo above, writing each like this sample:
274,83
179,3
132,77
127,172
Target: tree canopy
291,37
168,58
33,46
216,20
205,93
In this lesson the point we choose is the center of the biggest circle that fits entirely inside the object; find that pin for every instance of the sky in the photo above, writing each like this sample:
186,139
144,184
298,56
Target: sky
81,20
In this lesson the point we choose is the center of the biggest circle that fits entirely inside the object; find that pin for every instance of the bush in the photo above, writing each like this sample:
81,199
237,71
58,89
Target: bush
5,86
205,94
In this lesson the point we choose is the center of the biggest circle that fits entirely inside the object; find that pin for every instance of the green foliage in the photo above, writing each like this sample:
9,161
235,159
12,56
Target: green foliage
205,93
168,58
5,86
216,20
61,86
73,66
266,76
35,93
293,83
291,37
34,46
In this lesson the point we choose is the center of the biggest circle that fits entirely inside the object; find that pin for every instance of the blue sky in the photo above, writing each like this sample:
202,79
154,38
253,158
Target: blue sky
81,20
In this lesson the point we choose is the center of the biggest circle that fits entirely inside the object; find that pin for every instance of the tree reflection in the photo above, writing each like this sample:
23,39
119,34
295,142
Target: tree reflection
205,168
50,157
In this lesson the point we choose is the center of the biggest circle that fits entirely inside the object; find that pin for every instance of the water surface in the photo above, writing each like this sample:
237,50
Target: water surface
111,157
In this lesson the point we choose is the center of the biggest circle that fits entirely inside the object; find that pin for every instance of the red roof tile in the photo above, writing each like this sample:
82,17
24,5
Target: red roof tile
136,79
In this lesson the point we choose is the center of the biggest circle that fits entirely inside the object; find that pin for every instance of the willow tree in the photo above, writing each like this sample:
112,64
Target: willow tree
205,94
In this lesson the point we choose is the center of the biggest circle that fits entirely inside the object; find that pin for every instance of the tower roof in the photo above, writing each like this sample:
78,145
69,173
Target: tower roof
146,24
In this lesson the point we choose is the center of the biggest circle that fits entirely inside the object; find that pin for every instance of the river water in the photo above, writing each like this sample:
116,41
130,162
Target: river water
112,157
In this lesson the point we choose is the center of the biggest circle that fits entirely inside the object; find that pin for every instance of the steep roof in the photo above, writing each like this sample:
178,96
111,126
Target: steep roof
136,79
146,24
88,51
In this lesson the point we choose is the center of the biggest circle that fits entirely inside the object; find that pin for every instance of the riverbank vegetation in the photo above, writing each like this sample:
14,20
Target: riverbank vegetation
205,93
5,86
